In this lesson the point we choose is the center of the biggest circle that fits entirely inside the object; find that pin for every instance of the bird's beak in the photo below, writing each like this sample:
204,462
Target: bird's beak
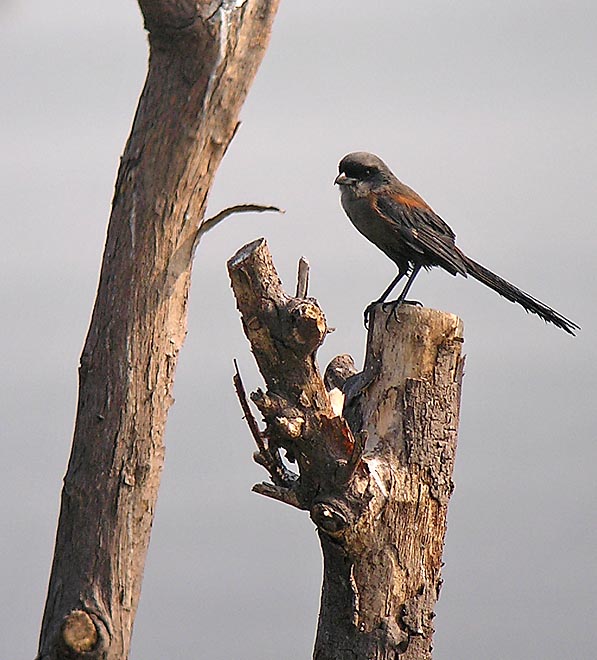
343,180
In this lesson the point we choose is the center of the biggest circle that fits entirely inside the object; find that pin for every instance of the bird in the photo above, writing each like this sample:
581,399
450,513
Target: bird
403,226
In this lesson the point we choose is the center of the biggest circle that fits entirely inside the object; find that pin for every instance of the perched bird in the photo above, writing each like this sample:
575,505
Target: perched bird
401,224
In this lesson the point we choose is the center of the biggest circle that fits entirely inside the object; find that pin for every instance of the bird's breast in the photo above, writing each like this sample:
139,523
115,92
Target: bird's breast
372,226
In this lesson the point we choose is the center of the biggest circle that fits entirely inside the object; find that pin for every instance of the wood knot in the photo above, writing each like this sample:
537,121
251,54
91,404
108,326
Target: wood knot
78,633
329,518
309,325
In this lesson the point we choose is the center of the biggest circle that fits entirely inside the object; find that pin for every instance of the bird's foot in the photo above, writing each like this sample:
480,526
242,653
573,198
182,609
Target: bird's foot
396,303
395,306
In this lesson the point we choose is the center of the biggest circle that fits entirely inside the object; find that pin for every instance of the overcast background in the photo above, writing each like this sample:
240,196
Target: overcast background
489,111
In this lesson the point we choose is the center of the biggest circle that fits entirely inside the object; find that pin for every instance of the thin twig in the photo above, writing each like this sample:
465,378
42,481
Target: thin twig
267,458
210,223
248,414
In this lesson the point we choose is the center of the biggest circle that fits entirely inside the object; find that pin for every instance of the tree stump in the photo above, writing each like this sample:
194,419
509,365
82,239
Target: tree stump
374,452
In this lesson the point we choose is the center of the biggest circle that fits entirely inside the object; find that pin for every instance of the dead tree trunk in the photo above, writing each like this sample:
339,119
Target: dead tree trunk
203,58
376,479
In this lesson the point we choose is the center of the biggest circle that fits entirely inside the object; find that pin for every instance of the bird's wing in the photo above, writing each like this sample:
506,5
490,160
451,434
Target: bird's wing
421,229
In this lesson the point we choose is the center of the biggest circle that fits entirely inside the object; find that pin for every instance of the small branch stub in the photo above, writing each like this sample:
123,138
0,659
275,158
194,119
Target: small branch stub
375,452
302,278
78,633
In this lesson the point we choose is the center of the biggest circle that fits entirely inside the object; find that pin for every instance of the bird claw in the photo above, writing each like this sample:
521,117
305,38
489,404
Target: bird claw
368,313
394,304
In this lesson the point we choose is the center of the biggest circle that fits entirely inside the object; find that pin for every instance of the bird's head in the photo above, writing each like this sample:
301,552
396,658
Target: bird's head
361,172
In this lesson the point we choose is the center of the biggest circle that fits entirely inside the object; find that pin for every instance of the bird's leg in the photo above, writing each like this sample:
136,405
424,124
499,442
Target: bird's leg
384,295
401,298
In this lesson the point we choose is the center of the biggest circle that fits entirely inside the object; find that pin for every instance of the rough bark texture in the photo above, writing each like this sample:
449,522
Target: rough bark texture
376,480
203,57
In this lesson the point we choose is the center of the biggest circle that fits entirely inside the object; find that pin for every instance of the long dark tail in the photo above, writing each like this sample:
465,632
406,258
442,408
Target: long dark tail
515,295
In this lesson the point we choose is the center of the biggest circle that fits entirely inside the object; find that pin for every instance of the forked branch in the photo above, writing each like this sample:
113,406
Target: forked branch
285,333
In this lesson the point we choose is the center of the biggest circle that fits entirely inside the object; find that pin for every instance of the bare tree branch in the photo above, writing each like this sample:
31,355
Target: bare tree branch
203,58
210,223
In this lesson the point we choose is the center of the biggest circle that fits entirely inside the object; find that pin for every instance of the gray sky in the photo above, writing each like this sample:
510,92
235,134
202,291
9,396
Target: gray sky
486,109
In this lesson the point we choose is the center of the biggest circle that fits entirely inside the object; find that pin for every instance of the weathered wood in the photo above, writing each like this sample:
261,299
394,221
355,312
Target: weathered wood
285,334
385,569
376,481
203,57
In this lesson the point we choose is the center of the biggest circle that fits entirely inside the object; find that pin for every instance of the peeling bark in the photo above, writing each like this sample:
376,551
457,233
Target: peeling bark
376,479
203,58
